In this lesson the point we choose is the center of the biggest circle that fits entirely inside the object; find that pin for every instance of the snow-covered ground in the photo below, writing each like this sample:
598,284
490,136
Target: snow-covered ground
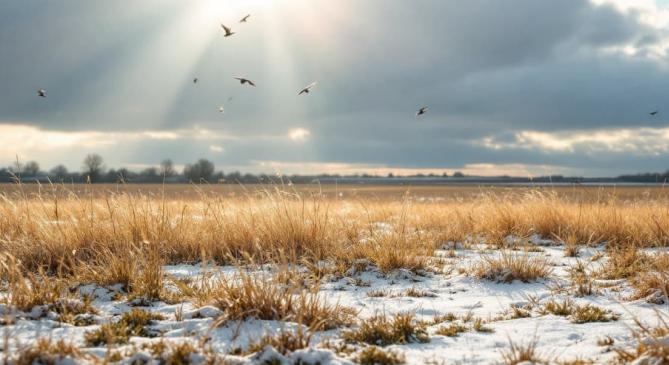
449,289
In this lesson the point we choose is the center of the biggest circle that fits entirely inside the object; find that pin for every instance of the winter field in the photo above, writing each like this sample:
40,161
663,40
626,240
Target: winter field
334,275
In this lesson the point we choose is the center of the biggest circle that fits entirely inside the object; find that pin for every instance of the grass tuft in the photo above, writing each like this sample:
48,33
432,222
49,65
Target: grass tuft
509,267
381,331
46,351
133,323
451,330
372,355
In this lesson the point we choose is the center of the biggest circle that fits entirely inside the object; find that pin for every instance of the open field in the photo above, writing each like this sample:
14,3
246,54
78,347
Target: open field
431,192
334,274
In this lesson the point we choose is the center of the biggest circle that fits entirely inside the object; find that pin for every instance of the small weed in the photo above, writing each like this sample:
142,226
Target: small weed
509,267
479,326
381,331
590,313
451,330
132,323
372,355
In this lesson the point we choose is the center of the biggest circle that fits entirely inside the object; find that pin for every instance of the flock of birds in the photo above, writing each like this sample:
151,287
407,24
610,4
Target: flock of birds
245,81
306,90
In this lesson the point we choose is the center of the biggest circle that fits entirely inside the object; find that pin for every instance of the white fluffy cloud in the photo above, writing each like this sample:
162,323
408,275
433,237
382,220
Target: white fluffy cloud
643,141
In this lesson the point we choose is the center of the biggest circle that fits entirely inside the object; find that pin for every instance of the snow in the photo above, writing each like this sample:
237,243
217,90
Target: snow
452,291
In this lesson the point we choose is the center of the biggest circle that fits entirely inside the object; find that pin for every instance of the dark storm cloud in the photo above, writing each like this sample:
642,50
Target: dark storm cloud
487,69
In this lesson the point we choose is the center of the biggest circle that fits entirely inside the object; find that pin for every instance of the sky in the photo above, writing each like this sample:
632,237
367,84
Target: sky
515,87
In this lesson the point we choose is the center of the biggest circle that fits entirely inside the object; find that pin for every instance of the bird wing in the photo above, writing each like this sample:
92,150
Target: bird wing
245,18
307,88
250,82
226,29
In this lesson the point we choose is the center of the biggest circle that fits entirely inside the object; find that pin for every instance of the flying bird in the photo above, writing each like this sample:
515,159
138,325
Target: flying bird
244,19
228,31
654,113
195,80
221,109
244,81
41,93
307,88
421,111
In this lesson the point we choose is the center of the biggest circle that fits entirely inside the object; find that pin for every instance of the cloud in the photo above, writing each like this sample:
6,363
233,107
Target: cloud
564,84
216,148
342,168
641,141
17,138
299,134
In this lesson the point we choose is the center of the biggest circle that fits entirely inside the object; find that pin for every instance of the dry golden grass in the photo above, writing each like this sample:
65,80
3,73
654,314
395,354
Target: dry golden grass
284,342
372,355
509,267
54,232
652,346
46,351
380,330
133,323
521,353
451,330
53,242
125,238
262,297
60,232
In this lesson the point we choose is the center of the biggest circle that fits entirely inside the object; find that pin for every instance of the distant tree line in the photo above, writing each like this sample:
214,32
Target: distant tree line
649,177
93,170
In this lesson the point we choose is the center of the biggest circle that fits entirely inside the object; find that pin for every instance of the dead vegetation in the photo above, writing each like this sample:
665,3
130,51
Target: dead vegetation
372,355
578,313
54,243
652,346
133,323
380,330
46,351
61,233
259,296
508,267
519,353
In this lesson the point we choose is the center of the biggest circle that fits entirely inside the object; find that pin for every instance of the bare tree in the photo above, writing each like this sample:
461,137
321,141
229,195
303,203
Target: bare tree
167,168
200,171
31,168
58,173
93,166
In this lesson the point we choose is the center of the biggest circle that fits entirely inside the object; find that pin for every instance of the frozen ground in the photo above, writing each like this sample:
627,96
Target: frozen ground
449,289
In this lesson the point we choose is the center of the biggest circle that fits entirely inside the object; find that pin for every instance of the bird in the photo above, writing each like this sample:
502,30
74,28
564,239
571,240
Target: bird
41,93
244,19
244,81
654,113
195,80
307,88
221,109
228,31
421,111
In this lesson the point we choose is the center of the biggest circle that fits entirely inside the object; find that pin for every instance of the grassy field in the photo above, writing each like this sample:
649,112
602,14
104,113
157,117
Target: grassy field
347,191
309,263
